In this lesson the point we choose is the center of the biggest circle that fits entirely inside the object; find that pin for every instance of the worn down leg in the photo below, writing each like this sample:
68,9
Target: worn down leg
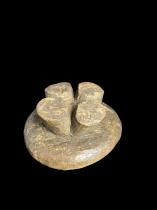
88,115
55,115
61,91
91,92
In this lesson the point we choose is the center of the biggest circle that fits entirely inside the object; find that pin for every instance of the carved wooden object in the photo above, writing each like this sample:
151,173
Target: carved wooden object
67,132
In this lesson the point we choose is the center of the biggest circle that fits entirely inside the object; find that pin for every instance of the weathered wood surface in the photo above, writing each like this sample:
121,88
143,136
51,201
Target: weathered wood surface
70,133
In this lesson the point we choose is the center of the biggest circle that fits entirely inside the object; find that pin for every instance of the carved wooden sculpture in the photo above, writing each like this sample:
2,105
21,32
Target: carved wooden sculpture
67,133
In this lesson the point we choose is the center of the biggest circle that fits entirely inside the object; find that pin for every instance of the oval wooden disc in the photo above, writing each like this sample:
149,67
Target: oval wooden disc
74,151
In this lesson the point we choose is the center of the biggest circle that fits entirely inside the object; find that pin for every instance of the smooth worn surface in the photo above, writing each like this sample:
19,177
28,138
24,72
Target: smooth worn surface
67,133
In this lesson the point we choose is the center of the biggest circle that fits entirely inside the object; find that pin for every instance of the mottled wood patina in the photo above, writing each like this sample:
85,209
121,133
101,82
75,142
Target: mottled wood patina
66,132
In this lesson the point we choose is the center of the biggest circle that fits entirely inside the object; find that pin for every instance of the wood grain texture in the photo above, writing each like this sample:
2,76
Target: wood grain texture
66,133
